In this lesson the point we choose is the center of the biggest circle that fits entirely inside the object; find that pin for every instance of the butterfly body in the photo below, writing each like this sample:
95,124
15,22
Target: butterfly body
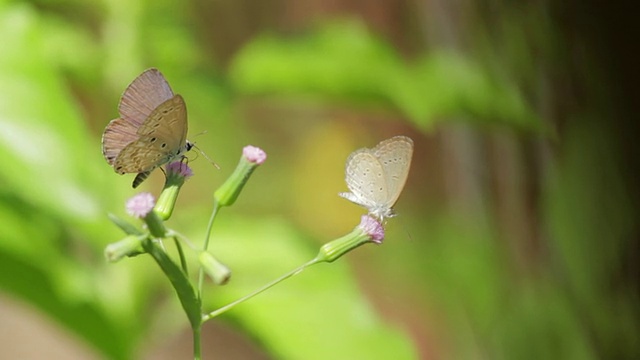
377,176
151,130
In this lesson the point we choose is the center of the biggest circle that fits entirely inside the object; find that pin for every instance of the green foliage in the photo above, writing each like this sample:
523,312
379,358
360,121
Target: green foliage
591,239
62,67
50,204
344,62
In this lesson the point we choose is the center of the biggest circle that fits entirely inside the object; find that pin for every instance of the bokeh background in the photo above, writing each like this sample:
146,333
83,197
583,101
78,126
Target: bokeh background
517,235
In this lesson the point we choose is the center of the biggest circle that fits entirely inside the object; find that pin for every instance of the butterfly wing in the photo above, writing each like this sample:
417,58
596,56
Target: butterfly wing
394,155
365,178
143,96
117,135
139,156
168,123
161,138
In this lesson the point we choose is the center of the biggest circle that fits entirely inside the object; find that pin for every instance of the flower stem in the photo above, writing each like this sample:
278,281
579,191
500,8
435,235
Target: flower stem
197,350
229,306
214,212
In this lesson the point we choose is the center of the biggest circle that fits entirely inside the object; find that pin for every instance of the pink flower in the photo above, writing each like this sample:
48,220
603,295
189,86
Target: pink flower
372,228
140,205
369,230
254,154
179,168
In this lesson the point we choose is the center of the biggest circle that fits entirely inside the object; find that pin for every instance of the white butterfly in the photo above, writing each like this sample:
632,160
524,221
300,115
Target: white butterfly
376,176
151,130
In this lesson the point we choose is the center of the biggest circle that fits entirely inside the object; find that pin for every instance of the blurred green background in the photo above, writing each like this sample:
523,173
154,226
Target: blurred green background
517,235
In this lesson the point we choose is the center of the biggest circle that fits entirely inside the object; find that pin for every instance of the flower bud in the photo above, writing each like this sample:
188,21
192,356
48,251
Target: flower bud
251,158
369,230
130,245
177,172
141,206
217,271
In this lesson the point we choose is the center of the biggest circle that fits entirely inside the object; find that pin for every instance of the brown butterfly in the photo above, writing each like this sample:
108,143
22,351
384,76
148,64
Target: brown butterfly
151,130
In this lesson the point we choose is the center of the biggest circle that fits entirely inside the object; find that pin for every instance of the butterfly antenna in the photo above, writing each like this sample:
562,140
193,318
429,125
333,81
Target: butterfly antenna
206,157
202,152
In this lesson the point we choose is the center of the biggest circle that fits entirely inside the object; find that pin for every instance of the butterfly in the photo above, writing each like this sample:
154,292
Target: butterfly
151,130
377,176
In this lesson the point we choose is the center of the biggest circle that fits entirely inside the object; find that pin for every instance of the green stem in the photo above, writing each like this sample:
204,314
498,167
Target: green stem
197,350
229,306
214,212
189,300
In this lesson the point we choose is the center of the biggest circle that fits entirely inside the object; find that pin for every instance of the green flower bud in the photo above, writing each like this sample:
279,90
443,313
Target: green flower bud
217,271
369,230
227,194
130,245
177,172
